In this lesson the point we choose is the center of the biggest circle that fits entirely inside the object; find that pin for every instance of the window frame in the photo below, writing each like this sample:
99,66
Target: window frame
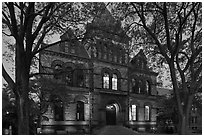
80,111
106,80
114,81
134,114
149,113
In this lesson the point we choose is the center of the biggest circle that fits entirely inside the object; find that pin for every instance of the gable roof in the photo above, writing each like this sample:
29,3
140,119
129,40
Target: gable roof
139,56
80,49
105,26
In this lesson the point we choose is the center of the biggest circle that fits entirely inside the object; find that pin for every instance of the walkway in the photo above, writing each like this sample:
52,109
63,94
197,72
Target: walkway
115,130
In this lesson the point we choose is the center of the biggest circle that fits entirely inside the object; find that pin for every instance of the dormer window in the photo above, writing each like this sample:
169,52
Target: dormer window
139,86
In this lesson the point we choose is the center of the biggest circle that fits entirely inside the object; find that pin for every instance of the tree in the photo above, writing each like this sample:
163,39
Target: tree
30,25
173,33
167,114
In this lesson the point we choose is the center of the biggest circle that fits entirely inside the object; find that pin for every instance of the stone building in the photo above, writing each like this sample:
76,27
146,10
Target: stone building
102,85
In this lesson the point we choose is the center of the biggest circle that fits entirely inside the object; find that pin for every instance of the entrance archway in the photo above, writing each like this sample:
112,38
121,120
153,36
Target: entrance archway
112,113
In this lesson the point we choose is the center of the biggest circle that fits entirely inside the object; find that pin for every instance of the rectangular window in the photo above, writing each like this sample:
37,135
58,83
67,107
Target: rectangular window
147,113
133,113
80,111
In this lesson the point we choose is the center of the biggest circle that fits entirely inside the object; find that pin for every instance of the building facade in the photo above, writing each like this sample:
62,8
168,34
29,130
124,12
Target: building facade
102,85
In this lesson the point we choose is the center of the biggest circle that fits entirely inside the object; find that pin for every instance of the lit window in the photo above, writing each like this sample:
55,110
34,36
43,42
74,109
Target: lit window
114,82
80,111
134,112
147,113
106,80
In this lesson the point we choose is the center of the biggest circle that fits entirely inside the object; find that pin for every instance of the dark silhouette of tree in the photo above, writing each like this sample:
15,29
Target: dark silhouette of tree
172,32
30,25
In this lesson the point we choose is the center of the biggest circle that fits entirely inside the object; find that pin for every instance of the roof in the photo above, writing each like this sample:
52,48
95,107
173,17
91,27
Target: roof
80,49
106,26
140,55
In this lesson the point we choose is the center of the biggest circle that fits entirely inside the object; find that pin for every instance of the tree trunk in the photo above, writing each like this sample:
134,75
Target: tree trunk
23,117
23,105
22,88
182,125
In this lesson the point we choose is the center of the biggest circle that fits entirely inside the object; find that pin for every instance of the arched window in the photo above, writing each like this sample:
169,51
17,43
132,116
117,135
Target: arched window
110,55
115,82
133,85
133,113
57,71
106,80
69,76
80,111
139,86
148,88
147,113
79,76
105,52
58,110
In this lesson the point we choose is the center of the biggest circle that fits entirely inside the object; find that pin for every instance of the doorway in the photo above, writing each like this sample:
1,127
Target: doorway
112,113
